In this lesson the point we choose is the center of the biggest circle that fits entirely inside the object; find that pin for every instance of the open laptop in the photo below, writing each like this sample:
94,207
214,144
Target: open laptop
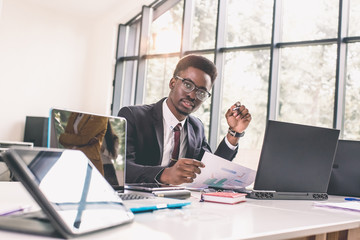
345,175
110,148
295,162
71,193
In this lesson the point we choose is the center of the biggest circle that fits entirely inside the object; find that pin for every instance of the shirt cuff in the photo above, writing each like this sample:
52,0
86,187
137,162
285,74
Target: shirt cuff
232,147
157,177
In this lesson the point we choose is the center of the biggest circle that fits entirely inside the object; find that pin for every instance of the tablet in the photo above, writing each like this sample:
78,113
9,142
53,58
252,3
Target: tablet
74,197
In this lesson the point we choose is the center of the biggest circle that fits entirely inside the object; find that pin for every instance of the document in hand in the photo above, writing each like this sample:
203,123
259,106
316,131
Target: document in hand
221,173
224,197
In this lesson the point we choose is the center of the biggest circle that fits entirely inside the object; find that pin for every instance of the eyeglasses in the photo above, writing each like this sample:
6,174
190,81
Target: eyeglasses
189,86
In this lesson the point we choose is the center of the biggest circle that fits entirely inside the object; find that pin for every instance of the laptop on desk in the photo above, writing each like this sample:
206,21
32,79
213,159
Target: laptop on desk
295,162
110,132
345,175
112,150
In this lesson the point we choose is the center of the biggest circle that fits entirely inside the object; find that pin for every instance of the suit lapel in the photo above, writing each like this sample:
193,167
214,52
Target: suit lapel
158,125
191,139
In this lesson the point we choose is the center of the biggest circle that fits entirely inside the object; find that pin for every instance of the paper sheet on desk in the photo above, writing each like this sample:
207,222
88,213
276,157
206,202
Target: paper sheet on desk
220,172
347,205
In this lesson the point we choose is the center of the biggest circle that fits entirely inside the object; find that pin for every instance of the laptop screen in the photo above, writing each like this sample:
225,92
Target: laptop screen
101,138
296,158
345,177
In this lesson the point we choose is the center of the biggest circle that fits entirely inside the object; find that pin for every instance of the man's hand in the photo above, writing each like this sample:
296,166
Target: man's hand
238,119
184,171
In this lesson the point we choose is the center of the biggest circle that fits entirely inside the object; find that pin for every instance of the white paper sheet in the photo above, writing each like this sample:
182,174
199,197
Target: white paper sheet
219,172
347,205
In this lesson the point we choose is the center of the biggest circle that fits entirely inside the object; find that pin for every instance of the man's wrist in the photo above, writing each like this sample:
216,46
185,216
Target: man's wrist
236,134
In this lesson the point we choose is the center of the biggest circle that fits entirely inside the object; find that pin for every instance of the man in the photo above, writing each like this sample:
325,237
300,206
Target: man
150,128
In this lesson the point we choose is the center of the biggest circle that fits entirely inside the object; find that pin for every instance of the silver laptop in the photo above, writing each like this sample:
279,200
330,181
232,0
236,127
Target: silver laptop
345,175
72,195
295,162
102,139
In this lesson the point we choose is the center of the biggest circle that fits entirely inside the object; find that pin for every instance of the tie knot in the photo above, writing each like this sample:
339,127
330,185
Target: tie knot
177,127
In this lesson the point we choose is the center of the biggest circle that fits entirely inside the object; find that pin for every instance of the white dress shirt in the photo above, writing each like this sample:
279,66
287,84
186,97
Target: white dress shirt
169,122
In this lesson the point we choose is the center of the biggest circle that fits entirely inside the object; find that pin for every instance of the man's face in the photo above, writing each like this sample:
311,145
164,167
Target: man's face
181,102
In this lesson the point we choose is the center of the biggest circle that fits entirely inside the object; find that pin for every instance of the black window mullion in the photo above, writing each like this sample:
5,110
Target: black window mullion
186,26
119,70
216,103
339,104
141,67
274,61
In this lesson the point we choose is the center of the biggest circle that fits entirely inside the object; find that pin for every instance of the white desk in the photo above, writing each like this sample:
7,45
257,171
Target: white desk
254,219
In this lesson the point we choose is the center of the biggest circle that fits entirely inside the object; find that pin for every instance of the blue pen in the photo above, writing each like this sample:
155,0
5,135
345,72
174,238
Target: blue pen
157,207
352,199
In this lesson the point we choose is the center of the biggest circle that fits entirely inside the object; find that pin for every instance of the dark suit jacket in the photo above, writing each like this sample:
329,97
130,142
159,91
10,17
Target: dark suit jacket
145,140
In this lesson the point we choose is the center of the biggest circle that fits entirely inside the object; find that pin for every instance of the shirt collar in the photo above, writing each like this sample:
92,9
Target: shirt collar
169,117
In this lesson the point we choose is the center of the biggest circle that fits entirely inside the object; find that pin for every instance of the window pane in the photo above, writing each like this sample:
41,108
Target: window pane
159,73
248,22
309,19
246,80
129,79
132,46
166,31
354,21
204,25
352,98
307,85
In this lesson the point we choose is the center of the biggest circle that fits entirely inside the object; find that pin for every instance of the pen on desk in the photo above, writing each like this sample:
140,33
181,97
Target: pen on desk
352,199
21,209
158,207
181,193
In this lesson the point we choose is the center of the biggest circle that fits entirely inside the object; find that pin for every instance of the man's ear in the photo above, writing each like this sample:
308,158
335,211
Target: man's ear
172,83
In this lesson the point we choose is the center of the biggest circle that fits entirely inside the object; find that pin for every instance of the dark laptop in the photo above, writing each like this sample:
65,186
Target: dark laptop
72,195
295,162
345,176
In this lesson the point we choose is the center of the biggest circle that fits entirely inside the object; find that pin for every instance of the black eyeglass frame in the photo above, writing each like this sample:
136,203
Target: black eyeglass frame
198,89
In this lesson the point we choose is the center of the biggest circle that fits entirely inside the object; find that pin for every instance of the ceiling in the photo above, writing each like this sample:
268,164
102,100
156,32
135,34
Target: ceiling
92,8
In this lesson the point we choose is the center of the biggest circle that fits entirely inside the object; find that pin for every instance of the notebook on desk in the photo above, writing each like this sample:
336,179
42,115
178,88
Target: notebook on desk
71,193
345,175
109,147
295,162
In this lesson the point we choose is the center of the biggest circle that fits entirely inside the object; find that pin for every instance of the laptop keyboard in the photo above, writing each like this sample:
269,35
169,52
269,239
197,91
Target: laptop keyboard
132,196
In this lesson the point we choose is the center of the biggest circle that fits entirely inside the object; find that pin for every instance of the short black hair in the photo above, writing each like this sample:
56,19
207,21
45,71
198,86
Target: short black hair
198,62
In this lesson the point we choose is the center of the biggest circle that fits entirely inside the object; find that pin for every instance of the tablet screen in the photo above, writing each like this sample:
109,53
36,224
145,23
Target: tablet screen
70,189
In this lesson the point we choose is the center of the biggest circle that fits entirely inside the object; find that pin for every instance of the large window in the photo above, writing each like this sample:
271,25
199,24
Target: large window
288,60
307,85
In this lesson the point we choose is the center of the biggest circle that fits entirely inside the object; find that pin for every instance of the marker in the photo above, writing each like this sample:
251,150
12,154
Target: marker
158,207
352,199
183,193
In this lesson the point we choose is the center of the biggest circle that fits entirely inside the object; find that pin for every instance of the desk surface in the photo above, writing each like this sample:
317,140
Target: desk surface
254,219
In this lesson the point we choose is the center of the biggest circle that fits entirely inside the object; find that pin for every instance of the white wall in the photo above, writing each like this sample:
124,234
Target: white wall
52,58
